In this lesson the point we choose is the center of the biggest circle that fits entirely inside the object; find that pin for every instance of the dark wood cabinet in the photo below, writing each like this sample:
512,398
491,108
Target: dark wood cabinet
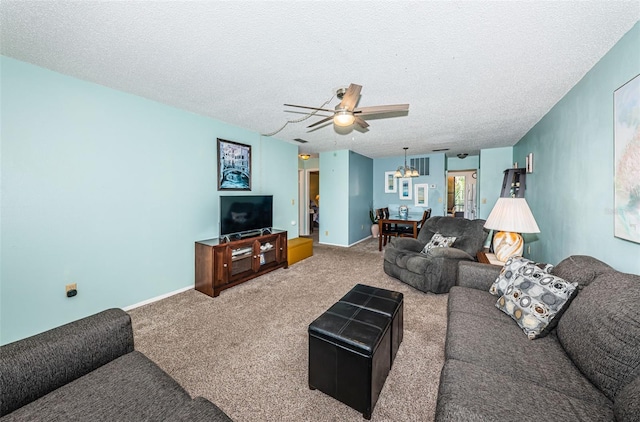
222,265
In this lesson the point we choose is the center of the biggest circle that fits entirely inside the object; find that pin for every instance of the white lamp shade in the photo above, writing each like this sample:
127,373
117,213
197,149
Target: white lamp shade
512,215
344,118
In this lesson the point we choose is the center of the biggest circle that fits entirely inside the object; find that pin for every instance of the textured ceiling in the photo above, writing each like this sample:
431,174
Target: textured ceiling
476,74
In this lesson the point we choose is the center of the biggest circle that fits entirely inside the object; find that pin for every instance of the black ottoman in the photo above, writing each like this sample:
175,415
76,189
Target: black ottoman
384,301
349,348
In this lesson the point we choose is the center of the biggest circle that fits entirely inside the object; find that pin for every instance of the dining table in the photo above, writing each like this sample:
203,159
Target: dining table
409,220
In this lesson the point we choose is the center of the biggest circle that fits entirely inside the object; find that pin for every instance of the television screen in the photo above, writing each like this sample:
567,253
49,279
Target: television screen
245,213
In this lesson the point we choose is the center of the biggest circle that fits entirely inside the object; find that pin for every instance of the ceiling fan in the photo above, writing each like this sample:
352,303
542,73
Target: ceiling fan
346,113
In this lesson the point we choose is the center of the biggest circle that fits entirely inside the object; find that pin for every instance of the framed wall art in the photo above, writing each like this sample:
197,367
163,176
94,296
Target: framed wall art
421,194
626,139
405,188
390,182
529,162
234,166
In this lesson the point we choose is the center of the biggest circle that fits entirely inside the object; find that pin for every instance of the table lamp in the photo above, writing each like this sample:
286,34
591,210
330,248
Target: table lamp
510,216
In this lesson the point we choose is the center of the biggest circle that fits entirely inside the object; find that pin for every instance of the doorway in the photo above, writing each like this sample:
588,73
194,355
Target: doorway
309,194
462,194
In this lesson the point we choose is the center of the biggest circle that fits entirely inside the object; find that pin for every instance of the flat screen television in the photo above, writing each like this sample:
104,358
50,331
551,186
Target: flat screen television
245,214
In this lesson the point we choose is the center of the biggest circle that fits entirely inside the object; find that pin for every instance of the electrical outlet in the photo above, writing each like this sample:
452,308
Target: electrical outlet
71,289
439,200
529,250
326,233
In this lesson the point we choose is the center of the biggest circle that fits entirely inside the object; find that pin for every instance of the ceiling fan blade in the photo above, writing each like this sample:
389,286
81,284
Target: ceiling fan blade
311,108
326,119
350,98
360,122
362,111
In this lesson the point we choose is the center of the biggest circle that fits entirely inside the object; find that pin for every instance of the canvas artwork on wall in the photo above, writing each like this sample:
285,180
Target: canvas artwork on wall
405,189
421,194
626,100
234,166
390,182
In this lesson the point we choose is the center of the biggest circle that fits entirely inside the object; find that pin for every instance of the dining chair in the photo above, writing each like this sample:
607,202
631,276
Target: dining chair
387,230
407,231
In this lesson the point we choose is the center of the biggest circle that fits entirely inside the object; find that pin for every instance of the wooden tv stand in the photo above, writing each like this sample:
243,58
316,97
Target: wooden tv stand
220,265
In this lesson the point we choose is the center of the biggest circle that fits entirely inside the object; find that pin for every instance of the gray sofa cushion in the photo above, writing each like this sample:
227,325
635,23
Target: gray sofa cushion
475,302
498,345
580,269
600,331
130,388
437,276
71,351
627,405
469,392
470,234
476,275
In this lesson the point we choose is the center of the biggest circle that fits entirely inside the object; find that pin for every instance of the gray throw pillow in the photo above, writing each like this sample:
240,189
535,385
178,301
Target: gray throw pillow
536,300
439,241
513,267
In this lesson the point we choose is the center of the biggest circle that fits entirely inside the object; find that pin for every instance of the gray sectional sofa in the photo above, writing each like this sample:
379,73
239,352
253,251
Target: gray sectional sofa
88,370
587,369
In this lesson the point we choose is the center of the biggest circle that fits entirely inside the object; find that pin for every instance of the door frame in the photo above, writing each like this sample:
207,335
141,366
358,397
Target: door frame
470,206
303,194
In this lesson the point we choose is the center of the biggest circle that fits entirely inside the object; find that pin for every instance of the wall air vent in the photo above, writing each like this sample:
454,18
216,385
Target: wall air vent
441,150
421,164
302,141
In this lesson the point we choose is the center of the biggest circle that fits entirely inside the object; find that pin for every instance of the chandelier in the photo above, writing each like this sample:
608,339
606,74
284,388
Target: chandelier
406,171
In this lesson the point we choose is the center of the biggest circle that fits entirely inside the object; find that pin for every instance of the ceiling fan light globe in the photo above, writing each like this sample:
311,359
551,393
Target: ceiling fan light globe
343,118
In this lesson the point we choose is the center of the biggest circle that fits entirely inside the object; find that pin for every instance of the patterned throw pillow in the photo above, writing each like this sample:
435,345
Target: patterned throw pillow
536,301
439,241
514,266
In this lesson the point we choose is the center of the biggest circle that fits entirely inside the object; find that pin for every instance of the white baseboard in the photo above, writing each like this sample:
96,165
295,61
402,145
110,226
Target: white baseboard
345,246
157,298
360,241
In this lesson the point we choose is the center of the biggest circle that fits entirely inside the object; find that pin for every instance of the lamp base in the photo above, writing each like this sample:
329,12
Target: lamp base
507,244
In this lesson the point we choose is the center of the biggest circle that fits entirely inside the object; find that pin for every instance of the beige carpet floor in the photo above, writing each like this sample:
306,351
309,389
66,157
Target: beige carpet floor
247,349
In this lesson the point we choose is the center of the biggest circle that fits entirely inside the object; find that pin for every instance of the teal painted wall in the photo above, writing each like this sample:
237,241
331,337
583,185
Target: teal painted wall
493,163
311,163
471,162
571,189
334,197
109,191
360,196
436,177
